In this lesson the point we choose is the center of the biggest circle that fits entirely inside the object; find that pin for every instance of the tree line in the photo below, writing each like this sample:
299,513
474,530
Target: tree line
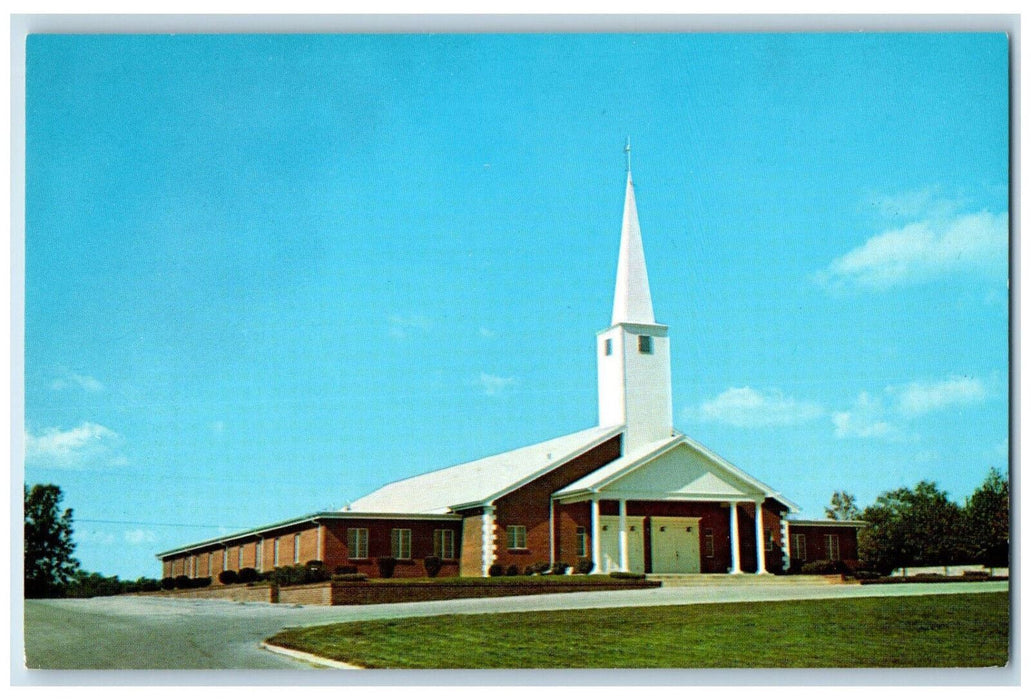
921,526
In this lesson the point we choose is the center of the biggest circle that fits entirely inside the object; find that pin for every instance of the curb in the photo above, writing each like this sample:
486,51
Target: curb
310,658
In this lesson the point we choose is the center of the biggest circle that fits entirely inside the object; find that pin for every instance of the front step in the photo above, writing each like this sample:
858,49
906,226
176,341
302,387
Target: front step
709,580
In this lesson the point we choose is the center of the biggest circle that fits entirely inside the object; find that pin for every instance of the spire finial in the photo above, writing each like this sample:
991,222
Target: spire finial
626,150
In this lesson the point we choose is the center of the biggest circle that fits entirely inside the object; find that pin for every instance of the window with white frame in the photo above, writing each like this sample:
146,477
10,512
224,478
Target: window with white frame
225,558
258,546
444,544
357,543
516,536
401,543
239,557
211,561
297,548
581,541
710,543
833,550
798,546
275,552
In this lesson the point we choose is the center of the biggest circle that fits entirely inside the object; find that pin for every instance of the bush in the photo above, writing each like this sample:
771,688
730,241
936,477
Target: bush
584,566
433,566
823,567
386,566
346,569
559,568
149,585
315,572
495,570
168,583
627,575
288,575
228,577
182,581
350,577
538,567
865,575
512,570
247,575
200,582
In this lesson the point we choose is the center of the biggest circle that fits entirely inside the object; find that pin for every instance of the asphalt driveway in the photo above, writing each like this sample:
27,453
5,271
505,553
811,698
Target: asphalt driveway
141,632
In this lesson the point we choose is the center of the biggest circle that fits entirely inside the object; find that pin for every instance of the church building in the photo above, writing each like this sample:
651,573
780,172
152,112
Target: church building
631,494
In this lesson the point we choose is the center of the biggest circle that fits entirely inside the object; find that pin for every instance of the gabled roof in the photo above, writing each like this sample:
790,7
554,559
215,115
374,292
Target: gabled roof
480,482
618,469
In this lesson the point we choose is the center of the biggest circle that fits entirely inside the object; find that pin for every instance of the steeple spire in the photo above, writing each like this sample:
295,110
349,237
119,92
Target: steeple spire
633,301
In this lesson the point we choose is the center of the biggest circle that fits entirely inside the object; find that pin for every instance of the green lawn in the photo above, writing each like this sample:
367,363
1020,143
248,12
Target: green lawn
916,631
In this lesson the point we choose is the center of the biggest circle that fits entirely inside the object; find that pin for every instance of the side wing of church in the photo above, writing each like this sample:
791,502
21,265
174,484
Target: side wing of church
631,494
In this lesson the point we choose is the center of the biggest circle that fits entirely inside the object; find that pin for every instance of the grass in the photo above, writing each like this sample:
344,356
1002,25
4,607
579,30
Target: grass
962,630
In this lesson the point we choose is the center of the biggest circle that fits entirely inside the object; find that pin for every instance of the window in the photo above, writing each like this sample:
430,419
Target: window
275,552
769,539
193,566
225,558
211,560
516,536
257,554
239,557
358,543
644,344
833,552
401,544
581,541
444,544
297,548
798,547
710,543
608,346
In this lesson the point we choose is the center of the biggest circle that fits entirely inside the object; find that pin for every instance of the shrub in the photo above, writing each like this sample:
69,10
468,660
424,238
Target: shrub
865,575
496,570
168,583
559,568
182,581
538,567
627,575
823,567
315,572
228,576
350,577
149,585
433,566
288,575
247,575
386,566
584,566
346,569
512,570
200,582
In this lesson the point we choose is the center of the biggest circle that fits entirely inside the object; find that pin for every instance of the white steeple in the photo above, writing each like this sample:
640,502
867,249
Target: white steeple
633,300
634,388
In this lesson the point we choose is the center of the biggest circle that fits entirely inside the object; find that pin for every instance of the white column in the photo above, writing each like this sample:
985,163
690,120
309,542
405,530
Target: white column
624,548
785,542
760,541
596,534
318,542
735,546
487,540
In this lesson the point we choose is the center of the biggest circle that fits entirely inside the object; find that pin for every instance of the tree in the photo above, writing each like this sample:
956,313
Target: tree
49,565
912,527
987,521
842,507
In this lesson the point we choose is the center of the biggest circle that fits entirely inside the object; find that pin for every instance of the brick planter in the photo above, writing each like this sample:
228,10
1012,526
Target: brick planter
375,592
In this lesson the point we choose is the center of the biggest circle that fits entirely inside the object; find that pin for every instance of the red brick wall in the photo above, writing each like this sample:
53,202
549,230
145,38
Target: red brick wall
379,545
529,506
815,542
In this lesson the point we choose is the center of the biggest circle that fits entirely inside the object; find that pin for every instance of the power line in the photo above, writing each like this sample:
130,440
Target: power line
140,522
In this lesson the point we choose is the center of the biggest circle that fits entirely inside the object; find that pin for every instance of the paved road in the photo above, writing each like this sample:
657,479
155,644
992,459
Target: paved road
138,632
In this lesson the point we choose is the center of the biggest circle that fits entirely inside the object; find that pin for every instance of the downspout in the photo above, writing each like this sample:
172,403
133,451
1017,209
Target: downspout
551,533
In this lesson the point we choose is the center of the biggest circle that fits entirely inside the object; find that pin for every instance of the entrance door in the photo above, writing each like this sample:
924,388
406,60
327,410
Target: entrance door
610,543
675,546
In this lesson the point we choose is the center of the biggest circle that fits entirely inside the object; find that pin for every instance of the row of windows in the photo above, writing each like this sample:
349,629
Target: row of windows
400,543
832,547
192,568
644,345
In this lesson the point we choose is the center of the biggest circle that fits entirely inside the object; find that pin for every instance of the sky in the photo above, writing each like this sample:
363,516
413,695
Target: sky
265,275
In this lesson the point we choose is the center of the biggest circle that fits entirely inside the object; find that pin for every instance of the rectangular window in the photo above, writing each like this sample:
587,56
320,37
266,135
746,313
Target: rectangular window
798,547
239,557
710,543
225,558
768,533
581,541
297,548
193,566
644,344
401,543
608,346
444,544
275,552
211,561
357,543
833,552
258,546
516,536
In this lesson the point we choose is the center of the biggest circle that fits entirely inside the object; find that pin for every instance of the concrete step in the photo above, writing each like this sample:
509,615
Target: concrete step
670,580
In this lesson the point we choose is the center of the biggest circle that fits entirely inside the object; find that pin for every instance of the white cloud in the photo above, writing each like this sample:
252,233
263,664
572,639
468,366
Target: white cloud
918,398
140,536
865,419
921,251
86,444
69,379
745,407
404,326
493,385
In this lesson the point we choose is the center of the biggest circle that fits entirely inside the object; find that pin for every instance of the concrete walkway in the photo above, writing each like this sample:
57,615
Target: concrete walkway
138,632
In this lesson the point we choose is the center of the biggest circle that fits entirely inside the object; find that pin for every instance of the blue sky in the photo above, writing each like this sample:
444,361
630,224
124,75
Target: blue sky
267,274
